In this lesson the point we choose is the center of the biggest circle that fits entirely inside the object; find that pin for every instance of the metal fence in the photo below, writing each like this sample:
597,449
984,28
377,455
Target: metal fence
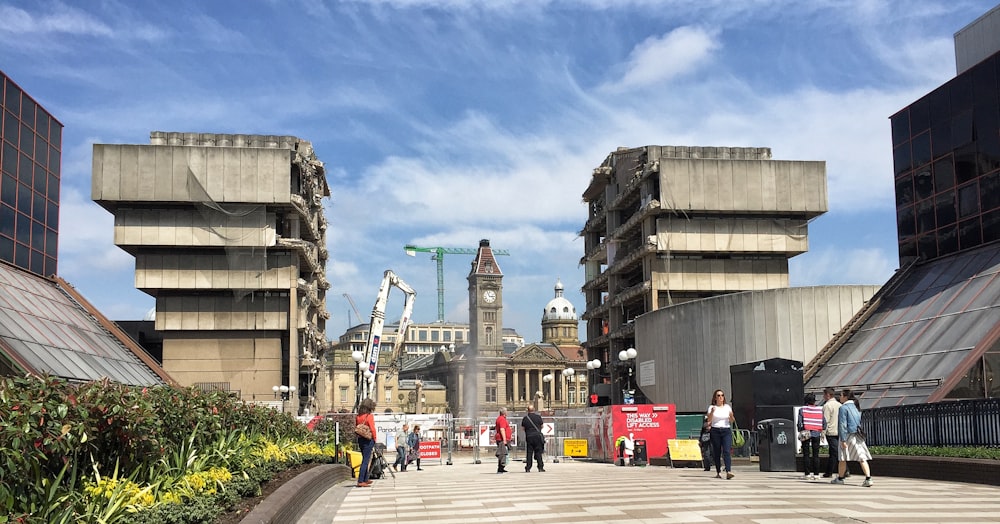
960,423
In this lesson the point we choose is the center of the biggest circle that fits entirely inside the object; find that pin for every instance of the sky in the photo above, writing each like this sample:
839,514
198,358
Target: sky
443,122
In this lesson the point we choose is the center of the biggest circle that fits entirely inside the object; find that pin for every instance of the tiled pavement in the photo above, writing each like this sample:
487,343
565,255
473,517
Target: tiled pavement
577,492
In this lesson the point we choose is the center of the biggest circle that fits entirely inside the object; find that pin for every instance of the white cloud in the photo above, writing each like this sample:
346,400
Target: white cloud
658,60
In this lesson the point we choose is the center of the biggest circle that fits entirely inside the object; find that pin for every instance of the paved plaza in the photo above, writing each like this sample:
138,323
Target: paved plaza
577,491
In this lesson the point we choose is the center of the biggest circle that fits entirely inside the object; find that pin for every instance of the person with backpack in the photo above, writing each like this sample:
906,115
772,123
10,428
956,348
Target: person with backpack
533,439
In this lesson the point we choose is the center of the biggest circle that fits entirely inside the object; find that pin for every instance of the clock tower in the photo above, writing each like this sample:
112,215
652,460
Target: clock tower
486,304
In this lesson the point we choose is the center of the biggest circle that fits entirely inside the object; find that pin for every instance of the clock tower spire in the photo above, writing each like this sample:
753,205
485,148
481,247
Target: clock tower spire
486,304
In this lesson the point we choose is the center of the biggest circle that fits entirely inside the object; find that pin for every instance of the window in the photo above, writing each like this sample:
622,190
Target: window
422,335
388,395
343,394
571,395
491,376
447,336
491,394
435,335
459,336
489,337
489,316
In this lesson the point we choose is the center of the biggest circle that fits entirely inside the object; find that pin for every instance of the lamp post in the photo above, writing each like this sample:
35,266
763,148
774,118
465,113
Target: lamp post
592,367
569,376
548,378
627,359
284,391
358,358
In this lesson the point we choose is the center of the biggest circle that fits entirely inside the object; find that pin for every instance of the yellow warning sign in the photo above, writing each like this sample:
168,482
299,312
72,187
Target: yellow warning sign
575,447
686,449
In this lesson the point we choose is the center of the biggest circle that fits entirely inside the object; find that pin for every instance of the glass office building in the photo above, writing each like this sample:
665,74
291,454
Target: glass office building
946,152
29,192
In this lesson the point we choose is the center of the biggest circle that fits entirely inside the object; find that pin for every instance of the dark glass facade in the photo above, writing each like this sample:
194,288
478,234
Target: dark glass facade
946,153
30,153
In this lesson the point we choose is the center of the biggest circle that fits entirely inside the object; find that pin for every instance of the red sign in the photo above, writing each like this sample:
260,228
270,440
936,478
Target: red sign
430,449
654,423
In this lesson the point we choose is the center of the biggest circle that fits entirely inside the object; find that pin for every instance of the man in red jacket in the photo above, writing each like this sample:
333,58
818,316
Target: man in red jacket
502,436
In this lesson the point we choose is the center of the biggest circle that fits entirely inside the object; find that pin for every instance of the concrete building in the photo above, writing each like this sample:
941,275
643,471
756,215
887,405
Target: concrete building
229,237
933,332
684,351
668,225
30,156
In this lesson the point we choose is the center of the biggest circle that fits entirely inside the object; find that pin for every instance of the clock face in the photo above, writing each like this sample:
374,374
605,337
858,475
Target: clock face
489,296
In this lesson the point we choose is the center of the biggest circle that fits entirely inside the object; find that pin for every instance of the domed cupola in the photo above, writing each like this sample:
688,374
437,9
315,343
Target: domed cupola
560,325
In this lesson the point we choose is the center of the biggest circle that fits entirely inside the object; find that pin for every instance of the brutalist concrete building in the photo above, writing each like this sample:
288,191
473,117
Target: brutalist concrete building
669,225
229,236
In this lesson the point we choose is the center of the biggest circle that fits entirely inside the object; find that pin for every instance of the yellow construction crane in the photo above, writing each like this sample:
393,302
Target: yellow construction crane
438,255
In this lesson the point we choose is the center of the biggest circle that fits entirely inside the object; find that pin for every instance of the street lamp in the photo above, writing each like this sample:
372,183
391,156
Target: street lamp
568,378
544,394
627,358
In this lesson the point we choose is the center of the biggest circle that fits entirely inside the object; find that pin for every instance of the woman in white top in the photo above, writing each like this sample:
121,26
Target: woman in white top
720,416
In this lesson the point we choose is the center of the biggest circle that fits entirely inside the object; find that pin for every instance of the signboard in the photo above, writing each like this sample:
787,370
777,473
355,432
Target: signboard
683,450
430,449
654,423
373,361
548,429
485,435
575,447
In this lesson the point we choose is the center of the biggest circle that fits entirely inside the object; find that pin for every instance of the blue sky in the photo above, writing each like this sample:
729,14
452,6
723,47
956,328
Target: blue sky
442,122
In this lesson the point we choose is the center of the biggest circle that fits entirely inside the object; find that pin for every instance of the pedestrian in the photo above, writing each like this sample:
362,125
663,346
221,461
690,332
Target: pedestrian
629,450
852,440
811,425
413,442
720,416
533,439
366,445
705,443
401,448
831,412
501,434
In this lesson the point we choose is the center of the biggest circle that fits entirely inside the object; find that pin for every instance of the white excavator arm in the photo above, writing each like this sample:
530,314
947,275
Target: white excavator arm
369,360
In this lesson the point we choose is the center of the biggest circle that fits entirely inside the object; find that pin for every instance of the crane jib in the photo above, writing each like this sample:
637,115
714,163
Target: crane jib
373,361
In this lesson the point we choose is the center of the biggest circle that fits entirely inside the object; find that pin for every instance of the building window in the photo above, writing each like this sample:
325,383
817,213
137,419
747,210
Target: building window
491,376
388,395
489,337
422,335
459,336
490,316
435,335
343,394
571,395
491,394
447,336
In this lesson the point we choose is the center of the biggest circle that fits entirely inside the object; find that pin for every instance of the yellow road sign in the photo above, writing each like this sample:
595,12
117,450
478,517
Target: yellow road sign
575,447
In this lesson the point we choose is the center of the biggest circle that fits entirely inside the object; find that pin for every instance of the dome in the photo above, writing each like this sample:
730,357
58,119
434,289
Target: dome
559,308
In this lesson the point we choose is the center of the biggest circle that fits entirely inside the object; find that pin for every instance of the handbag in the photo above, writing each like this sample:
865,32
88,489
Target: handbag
861,434
363,431
738,439
805,435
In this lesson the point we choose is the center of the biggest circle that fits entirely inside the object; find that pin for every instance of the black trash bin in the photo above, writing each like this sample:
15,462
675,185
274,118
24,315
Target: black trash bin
776,444
640,458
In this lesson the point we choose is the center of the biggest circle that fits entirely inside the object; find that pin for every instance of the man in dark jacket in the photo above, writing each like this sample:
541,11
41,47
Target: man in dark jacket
534,441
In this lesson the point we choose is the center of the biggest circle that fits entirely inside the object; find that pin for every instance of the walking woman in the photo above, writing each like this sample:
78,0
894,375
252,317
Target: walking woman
720,416
366,445
852,441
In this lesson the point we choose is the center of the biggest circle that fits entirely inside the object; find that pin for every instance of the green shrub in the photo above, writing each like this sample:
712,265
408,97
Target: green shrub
932,451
